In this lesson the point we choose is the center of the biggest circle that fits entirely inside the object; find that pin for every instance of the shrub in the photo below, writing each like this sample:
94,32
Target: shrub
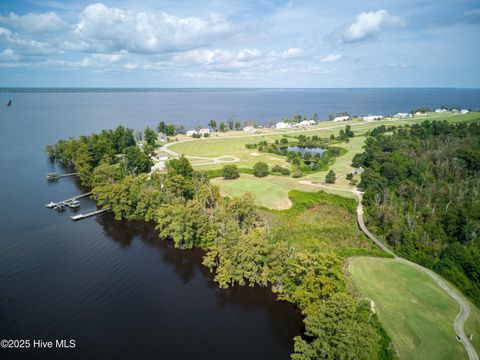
285,171
260,169
230,172
349,176
330,178
297,173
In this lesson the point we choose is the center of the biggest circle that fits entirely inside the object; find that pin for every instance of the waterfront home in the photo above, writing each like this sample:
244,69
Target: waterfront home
402,115
341,118
441,110
372,118
419,113
282,125
204,131
250,129
464,111
191,132
305,123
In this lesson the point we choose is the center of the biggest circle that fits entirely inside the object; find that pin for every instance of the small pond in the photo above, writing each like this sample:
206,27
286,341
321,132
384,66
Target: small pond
303,150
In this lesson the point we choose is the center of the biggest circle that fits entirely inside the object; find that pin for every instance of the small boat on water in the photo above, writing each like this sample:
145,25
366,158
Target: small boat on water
9,103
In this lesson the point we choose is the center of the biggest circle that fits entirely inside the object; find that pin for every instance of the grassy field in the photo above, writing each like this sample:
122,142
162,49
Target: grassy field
225,144
318,218
417,314
271,191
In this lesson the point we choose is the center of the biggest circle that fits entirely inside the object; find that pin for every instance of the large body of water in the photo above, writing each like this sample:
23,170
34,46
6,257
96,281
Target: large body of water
113,287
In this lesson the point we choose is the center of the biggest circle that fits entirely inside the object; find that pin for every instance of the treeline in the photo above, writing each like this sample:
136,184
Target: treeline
108,147
239,249
422,192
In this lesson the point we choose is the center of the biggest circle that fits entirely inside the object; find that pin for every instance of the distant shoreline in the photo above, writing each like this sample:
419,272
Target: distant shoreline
203,89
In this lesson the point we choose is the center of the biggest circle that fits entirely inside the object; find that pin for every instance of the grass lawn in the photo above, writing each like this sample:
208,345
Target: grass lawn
270,191
472,326
417,313
235,146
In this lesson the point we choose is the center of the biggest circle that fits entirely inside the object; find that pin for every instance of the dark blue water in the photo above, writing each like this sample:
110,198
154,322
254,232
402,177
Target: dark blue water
112,286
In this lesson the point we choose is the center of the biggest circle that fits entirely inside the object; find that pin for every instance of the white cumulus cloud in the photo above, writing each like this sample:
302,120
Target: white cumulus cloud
331,58
32,22
369,24
105,29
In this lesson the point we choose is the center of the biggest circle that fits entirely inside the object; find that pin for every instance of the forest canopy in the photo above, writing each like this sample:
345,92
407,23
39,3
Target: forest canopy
422,193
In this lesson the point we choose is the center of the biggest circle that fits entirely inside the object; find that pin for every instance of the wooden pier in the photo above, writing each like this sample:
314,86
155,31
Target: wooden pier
72,203
84,216
55,176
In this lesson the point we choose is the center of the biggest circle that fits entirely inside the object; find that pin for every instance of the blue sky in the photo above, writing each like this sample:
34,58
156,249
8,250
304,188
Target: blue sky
370,43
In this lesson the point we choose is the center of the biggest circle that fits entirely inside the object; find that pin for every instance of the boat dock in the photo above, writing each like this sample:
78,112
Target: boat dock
84,216
55,176
72,203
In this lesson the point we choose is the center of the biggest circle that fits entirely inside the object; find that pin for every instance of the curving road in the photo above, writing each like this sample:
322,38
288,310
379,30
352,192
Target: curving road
209,160
464,312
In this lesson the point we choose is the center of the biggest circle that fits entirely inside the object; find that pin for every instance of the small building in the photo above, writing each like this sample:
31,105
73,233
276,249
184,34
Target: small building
305,123
191,132
204,131
441,111
372,118
419,113
341,118
283,125
464,111
402,115
455,110
250,129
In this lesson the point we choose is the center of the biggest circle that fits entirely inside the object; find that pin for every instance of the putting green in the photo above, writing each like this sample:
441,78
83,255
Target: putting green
416,312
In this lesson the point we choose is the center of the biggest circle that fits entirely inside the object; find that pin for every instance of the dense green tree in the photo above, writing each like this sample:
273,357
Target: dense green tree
260,169
331,177
180,166
150,136
213,125
136,161
230,172
341,328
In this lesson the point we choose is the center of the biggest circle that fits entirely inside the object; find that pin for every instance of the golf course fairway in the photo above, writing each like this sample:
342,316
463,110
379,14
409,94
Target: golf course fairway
417,314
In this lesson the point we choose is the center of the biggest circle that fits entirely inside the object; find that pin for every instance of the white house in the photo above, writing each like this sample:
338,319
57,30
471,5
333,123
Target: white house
283,125
307,123
204,131
372,118
191,132
455,110
441,110
341,118
418,113
464,111
402,115
250,129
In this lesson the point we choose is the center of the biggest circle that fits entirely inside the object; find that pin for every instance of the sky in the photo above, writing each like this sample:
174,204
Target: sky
260,43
